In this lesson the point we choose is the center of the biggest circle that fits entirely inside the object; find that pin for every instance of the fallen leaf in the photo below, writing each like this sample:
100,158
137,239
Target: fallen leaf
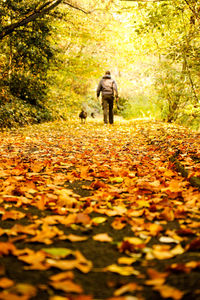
58,252
6,283
102,237
5,295
125,271
14,215
99,220
62,276
24,289
194,245
156,278
130,287
74,238
167,239
134,240
118,223
167,214
116,180
6,248
169,292
126,260
59,298
67,286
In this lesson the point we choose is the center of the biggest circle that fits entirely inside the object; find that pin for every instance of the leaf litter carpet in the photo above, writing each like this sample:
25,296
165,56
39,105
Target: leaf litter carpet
93,212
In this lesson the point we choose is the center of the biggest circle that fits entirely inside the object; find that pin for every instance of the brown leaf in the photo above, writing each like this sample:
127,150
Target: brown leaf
194,245
179,268
185,232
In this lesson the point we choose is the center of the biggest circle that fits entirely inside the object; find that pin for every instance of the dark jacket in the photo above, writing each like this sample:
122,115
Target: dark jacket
107,86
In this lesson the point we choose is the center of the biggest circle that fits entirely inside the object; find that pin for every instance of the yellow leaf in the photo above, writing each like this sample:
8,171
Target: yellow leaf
134,240
125,271
126,260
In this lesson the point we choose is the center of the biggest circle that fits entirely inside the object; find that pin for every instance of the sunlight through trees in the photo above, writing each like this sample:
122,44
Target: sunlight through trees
53,54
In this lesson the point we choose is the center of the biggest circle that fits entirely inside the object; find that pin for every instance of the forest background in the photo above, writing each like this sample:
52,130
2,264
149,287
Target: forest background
52,55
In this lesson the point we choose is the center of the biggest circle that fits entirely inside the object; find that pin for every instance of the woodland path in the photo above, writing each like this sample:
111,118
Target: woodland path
100,212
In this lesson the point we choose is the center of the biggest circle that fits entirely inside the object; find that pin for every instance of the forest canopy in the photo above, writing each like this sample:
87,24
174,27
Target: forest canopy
53,54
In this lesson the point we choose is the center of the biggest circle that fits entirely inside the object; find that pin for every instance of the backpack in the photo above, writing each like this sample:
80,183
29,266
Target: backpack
107,86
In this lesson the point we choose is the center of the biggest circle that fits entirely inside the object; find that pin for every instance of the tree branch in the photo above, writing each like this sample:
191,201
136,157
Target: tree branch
76,7
42,10
193,10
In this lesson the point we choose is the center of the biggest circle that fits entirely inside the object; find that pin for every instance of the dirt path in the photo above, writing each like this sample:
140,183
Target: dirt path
100,212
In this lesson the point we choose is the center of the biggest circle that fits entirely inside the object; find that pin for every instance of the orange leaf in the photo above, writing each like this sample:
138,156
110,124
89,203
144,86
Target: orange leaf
6,248
167,214
13,214
82,219
67,286
118,223
130,287
11,296
6,283
62,276
153,228
169,292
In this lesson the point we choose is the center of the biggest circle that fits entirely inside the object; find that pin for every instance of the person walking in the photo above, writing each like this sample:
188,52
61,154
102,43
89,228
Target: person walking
108,89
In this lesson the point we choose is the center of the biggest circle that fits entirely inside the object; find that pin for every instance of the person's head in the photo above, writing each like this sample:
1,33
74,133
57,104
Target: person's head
107,73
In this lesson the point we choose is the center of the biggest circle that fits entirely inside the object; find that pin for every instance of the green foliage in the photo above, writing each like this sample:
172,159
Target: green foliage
27,87
190,116
24,58
139,107
170,31
173,91
20,113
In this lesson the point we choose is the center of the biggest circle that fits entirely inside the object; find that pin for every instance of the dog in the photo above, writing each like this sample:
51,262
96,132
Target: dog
83,116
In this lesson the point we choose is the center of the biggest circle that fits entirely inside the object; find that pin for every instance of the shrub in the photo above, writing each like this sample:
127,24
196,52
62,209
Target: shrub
19,113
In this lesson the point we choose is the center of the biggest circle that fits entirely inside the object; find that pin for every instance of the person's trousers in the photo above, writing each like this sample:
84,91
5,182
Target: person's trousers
107,102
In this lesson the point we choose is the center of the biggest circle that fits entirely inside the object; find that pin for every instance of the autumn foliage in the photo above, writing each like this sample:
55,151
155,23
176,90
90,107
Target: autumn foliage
93,212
